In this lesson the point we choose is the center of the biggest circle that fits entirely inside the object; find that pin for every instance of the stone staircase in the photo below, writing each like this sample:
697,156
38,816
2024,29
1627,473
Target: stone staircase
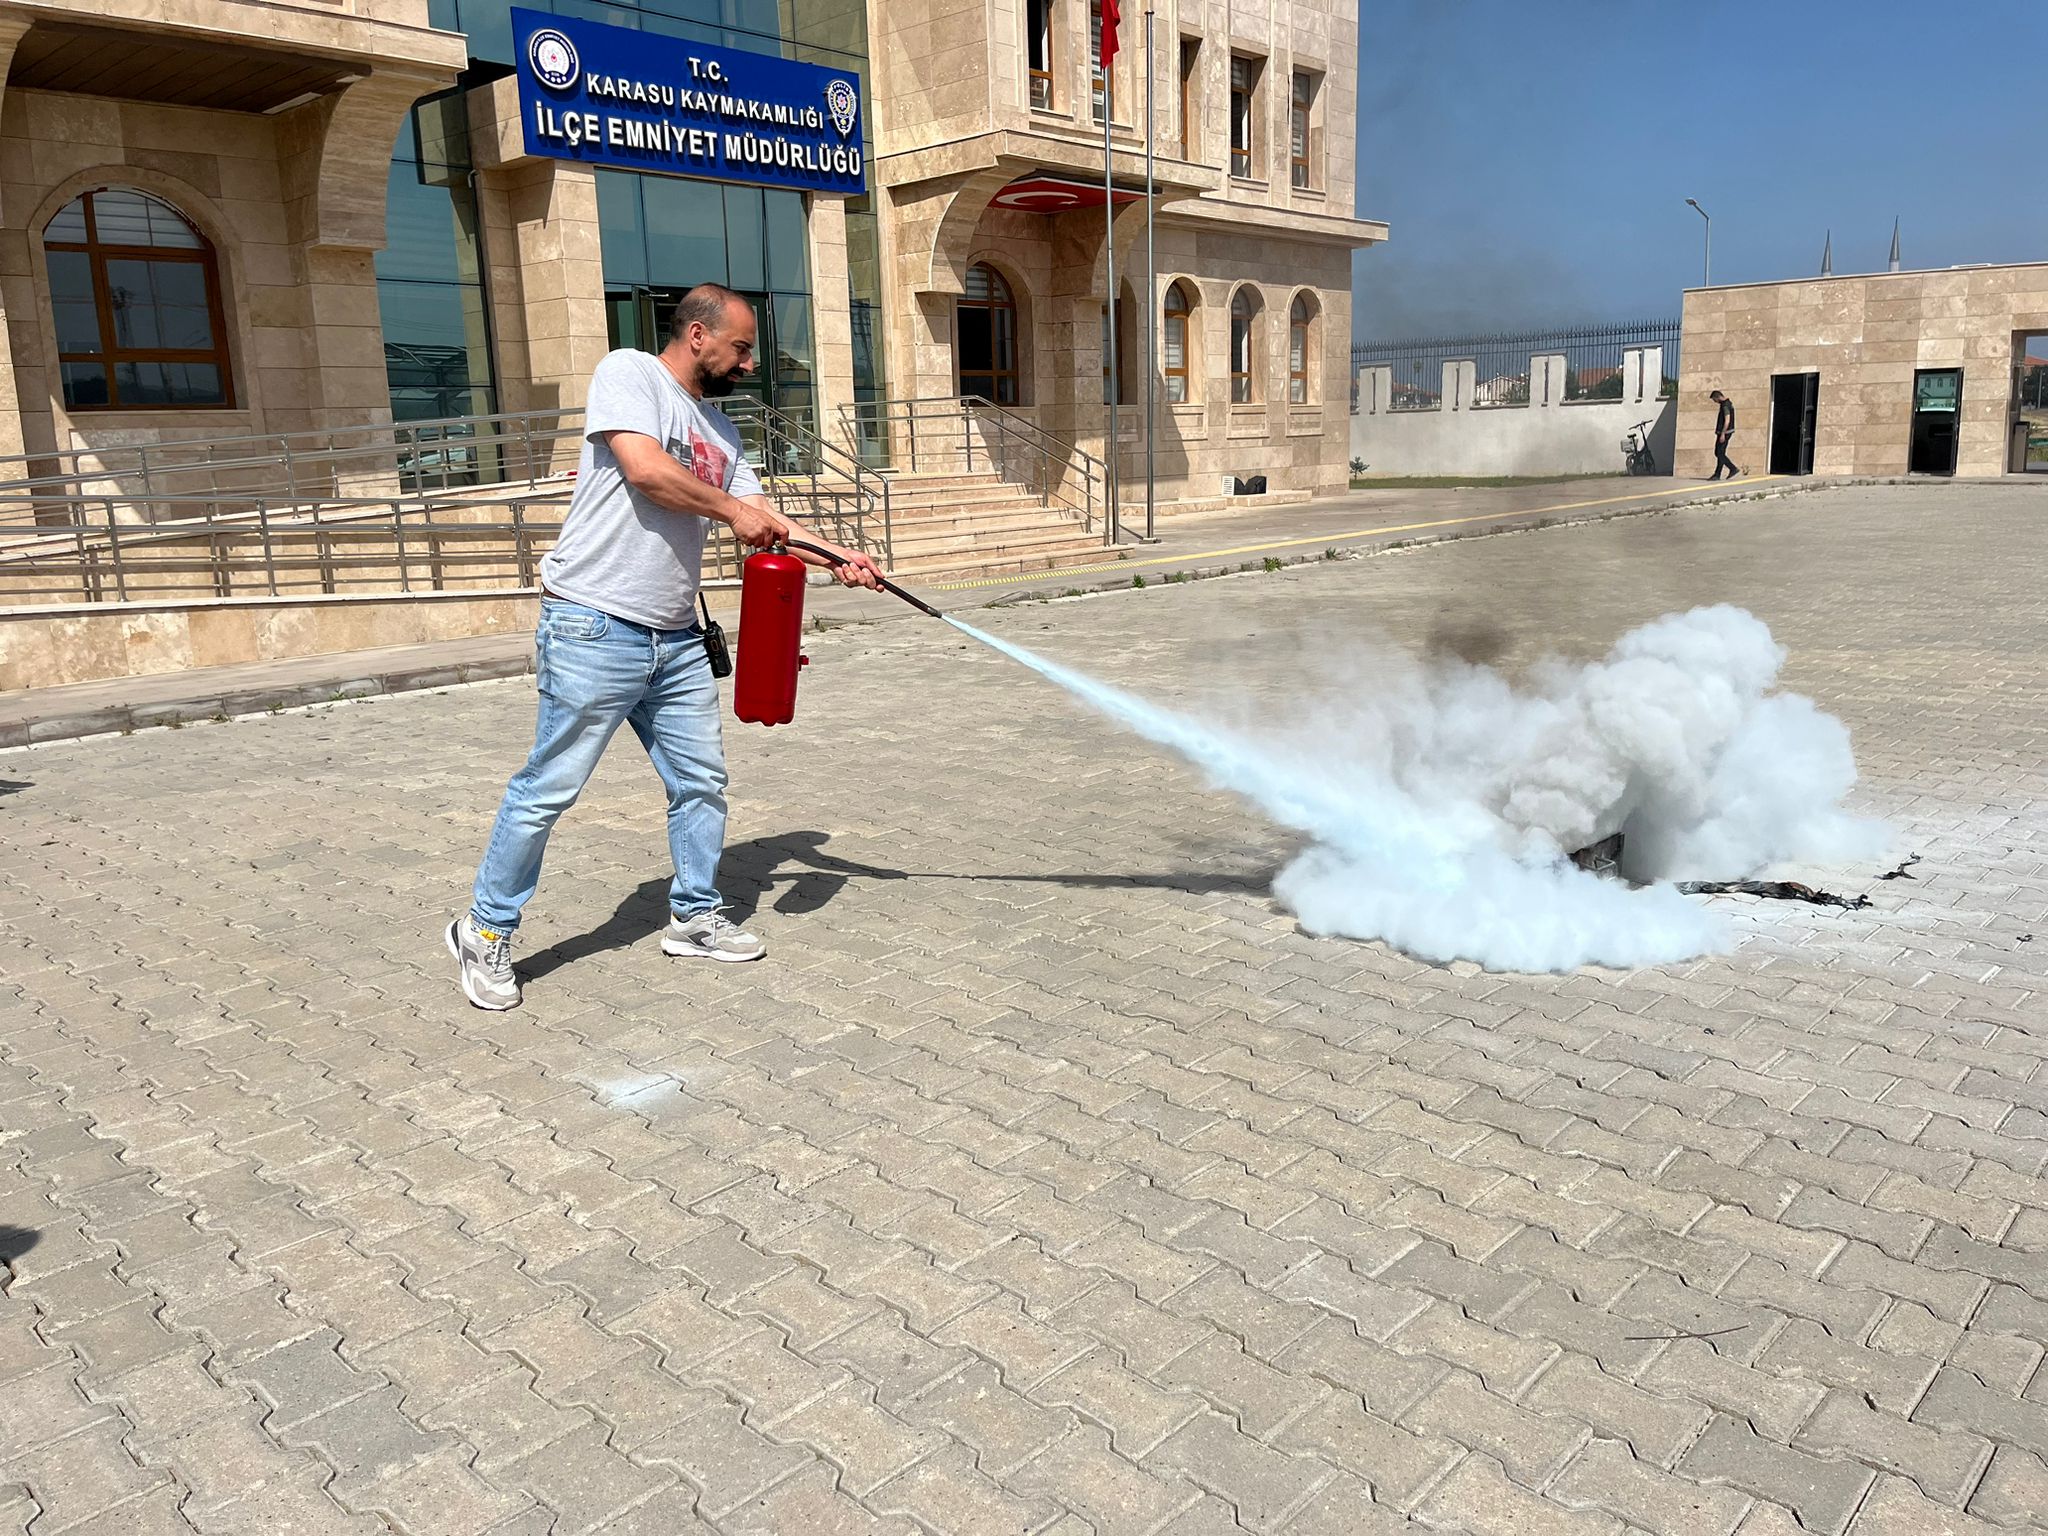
965,525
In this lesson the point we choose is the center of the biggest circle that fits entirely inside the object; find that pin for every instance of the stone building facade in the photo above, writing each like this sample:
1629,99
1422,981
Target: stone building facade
229,218
989,168
1940,372
239,152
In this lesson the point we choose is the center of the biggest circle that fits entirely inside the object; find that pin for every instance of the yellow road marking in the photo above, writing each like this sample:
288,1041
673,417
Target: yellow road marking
1021,577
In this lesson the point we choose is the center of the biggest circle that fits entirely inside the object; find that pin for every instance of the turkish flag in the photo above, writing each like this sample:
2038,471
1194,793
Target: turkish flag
1112,14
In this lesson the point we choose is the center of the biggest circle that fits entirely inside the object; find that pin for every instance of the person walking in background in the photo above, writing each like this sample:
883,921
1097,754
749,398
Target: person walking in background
1724,432
618,641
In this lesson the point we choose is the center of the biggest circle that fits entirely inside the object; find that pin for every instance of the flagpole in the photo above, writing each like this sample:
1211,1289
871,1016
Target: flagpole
1151,307
1108,50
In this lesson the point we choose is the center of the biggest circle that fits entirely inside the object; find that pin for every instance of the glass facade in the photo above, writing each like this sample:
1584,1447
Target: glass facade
430,288
662,235
659,234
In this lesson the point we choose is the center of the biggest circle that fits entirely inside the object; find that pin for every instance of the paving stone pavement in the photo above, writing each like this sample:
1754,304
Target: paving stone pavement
1045,1178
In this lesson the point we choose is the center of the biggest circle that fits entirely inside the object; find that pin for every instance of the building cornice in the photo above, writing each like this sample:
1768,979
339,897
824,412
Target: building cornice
303,29
1316,228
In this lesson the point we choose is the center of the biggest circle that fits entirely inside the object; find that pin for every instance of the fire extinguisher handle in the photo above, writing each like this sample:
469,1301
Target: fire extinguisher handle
887,585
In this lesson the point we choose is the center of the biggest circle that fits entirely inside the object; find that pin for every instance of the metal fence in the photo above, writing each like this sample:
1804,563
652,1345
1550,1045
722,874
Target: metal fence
1501,362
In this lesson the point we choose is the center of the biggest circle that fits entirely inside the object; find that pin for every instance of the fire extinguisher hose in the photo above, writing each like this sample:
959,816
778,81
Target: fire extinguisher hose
887,585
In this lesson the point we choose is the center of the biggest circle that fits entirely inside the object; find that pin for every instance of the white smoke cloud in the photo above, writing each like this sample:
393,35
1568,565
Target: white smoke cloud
1441,803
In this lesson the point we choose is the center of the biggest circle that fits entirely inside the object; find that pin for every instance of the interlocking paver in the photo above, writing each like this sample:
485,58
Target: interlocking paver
1822,1491
1041,1181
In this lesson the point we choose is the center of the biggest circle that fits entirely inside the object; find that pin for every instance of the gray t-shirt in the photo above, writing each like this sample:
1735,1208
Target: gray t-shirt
619,552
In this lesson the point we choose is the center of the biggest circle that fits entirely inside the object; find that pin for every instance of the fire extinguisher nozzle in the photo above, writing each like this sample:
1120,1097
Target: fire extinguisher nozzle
916,602
887,585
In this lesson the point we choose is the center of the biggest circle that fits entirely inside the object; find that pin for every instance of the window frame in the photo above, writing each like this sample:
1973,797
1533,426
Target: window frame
1244,161
1303,89
995,374
111,355
1244,381
1123,352
1101,82
1040,91
1185,314
1190,71
1301,321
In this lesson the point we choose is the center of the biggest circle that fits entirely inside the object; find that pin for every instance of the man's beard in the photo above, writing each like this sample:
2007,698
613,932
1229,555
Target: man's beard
716,386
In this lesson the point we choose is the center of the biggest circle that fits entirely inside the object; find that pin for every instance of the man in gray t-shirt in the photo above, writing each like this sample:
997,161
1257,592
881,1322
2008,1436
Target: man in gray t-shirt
618,642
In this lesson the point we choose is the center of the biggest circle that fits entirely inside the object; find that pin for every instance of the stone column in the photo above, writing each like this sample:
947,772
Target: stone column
334,190
23,378
831,317
544,260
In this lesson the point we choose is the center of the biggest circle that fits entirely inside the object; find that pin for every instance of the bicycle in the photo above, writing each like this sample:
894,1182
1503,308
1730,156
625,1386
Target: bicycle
1636,452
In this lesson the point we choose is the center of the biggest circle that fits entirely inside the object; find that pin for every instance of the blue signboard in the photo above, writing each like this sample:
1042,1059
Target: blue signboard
641,101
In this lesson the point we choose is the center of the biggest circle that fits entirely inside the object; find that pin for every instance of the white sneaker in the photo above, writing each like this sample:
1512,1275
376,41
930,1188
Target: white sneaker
485,959
711,936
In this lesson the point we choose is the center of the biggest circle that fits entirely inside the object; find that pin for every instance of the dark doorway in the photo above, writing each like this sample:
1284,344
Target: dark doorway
1937,409
1795,412
782,377
2030,403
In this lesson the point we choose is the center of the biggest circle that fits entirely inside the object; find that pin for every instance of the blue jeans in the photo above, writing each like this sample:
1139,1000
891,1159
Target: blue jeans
594,671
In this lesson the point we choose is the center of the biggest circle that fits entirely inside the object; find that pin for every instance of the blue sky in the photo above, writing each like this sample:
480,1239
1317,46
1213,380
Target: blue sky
1534,156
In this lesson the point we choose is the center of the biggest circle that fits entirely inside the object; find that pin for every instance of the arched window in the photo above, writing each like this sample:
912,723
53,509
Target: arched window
1301,317
1174,343
1244,351
985,337
1126,349
136,294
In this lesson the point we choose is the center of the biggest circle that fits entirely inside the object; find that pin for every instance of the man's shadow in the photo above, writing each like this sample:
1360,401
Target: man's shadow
750,870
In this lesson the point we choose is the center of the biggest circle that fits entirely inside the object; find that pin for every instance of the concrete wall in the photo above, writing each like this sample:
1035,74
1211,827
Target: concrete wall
1548,436
45,647
1865,336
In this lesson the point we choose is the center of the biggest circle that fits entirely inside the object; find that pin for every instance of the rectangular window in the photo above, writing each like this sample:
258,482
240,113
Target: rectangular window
1298,128
1244,86
1175,335
1105,355
1101,88
1038,50
1190,62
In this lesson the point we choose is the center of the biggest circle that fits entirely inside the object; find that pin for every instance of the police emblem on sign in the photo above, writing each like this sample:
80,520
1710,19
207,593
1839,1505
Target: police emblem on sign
843,104
553,58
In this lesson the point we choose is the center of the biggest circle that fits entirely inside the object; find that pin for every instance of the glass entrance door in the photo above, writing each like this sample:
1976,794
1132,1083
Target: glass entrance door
1937,411
640,317
2030,404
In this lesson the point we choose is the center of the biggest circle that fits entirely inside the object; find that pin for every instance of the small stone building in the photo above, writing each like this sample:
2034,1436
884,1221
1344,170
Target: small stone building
1942,373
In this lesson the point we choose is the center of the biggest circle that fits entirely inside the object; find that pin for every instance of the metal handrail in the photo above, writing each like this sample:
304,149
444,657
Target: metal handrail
1053,459
96,508
781,428
365,545
291,453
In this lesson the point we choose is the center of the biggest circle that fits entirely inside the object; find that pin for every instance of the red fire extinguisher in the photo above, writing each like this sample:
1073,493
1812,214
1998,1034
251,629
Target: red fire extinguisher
772,631
771,637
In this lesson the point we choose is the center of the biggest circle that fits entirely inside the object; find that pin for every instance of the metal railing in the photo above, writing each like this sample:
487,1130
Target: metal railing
107,545
335,548
799,464
967,434
1593,362
373,459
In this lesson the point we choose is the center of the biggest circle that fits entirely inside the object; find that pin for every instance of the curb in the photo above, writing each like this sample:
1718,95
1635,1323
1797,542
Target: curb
263,700
255,701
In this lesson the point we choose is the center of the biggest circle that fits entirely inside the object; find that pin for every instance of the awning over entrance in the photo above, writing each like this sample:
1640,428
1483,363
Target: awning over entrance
1050,192
138,66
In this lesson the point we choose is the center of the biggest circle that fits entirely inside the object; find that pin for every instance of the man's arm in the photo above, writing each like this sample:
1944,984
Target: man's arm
667,483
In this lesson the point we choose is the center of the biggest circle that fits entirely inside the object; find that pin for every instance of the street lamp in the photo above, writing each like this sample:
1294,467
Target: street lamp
1707,262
